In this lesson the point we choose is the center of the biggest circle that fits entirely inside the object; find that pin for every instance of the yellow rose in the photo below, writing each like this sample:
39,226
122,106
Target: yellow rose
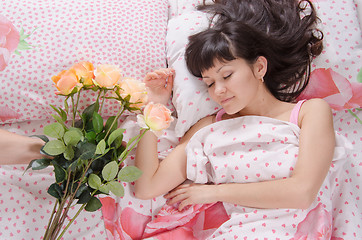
136,89
66,81
156,117
84,72
107,76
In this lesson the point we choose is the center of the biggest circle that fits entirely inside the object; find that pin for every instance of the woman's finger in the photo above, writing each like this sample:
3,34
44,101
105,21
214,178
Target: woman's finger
176,199
150,76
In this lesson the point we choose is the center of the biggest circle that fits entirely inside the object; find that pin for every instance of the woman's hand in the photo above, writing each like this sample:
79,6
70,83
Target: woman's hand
159,85
189,194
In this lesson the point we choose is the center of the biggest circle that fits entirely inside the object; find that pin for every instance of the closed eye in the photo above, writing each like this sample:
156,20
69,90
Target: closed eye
228,76
210,85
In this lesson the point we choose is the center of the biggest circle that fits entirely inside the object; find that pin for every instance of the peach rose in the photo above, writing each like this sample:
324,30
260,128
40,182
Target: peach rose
107,76
136,89
84,72
66,81
156,117
9,40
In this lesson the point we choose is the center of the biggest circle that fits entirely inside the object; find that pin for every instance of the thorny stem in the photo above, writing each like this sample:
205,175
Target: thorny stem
127,151
50,220
103,99
120,111
75,107
61,215
71,221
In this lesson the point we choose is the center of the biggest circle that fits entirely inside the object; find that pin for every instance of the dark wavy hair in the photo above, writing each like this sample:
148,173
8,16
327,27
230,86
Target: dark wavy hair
283,31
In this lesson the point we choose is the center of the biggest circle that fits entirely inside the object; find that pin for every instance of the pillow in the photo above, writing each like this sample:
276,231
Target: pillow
130,34
190,96
178,7
334,74
339,64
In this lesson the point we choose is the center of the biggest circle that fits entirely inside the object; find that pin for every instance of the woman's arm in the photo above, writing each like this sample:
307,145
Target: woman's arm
160,177
17,149
317,143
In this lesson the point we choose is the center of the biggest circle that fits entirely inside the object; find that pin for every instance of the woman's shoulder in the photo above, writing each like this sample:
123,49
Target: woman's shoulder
199,125
315,104
315,109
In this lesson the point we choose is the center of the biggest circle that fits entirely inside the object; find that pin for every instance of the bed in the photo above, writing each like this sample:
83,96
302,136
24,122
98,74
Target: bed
141,36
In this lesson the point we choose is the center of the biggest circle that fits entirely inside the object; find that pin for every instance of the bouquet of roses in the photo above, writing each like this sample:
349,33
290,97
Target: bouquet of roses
87,153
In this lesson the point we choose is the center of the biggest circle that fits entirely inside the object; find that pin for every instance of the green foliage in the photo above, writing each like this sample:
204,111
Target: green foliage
86,157
110,171
54,147
129,174
359,76
93,204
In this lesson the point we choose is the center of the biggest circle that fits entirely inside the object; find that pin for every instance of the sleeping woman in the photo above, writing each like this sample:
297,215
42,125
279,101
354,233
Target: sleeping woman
265,157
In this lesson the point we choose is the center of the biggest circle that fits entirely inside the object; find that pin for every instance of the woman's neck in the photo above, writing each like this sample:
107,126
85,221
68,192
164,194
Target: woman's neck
265,104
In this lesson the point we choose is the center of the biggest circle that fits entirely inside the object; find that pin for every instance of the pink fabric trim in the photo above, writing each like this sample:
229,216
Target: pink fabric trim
295,112
219,115
293,116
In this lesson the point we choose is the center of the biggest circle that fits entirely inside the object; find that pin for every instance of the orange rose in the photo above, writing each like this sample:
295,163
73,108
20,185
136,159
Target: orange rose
66,81
156,117
84,72
107,76
136,89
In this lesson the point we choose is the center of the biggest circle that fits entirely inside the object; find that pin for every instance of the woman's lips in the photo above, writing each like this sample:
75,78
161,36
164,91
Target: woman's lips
226,100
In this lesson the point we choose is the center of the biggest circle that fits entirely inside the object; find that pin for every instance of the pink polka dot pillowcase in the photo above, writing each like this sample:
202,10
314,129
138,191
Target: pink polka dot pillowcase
40,38
190,96
336,75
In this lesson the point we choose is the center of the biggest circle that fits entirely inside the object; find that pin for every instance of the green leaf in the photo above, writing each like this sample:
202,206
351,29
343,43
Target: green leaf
97,122
54,147
84,197
69,153
42,137
82,188
55,190
118,142
101,147
58,119
88,112
72,137
116,188
115,134
60,173
86,150
91,136
55,130
100,136
109,122
93,205
38,164
359,76
94,181
110,171
66,106
61,112
23,45
104,188
74,165
129,174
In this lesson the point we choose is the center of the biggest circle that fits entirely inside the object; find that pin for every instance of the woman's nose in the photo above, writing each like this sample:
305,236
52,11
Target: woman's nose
219,88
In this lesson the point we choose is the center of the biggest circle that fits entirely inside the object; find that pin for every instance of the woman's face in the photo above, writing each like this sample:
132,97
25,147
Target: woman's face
232,84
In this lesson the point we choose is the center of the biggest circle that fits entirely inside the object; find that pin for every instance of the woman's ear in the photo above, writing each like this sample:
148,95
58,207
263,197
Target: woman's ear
260,67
